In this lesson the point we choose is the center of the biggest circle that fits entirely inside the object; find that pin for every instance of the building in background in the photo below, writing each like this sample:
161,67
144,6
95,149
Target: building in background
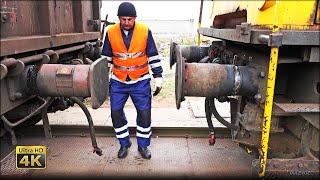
169,28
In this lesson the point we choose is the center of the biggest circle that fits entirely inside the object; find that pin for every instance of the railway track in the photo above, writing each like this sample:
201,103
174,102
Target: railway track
81,130
176,152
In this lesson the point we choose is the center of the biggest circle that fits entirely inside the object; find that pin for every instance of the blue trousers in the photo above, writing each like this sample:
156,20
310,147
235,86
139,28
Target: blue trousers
140,94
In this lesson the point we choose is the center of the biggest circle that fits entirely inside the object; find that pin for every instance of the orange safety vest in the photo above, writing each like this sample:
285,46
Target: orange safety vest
133,62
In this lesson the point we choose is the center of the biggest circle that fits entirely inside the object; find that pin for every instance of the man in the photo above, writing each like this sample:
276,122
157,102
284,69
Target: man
130,47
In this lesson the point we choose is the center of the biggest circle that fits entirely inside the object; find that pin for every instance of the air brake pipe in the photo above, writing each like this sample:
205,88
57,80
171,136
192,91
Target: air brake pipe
96,149
218,117
85,48
212,138
31,59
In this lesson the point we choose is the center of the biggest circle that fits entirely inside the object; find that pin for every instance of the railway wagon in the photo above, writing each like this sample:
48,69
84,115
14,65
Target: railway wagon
265,62
50,59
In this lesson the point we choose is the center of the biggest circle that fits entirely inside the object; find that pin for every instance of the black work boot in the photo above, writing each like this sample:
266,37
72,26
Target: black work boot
145,152
123,151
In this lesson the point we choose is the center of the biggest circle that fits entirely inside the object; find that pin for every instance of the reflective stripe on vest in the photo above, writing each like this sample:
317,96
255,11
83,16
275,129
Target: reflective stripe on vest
130,68
125,56
132,62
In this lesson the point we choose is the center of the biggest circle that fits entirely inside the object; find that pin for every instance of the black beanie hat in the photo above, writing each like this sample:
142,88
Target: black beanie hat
127,9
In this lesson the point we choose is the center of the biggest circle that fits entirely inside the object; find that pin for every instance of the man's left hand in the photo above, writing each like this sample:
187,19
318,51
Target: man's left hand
157,85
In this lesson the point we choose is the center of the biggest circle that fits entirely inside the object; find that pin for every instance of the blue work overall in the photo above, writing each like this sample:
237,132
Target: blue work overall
140,93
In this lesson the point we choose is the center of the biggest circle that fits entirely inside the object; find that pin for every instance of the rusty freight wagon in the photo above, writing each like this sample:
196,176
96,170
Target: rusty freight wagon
50,59
266,64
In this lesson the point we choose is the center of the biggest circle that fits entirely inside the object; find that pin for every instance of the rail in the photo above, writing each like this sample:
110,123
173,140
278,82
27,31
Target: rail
82,130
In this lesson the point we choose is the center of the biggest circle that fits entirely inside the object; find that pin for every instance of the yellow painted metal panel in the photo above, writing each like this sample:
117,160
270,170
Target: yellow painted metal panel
299,14
318,14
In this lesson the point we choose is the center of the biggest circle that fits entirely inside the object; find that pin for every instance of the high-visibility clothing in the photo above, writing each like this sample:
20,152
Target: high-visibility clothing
132,62
140,94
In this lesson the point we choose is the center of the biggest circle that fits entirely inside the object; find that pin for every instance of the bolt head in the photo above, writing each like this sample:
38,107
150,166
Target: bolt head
257,97
4,17
262,74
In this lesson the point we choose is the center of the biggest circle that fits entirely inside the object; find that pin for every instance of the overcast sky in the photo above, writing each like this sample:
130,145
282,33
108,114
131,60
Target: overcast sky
160,10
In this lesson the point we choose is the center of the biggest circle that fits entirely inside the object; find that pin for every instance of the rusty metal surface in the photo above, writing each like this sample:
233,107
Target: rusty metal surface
313,118
217,80
277,111
206,80
252,117
282,145
47,17
17,45
299,107
290,37
35,25
6,104
230,20
63,80
290,168
65,9
171,157
26,18
99,82
303,83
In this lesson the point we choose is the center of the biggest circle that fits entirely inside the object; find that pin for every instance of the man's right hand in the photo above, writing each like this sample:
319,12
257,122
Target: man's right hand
157,85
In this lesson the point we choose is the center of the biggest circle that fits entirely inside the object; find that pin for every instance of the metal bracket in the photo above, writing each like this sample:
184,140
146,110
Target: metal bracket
5,17
275,40
244,31
93,22
245,28
8,17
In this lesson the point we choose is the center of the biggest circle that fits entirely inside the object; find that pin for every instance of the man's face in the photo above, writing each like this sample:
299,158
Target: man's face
126,22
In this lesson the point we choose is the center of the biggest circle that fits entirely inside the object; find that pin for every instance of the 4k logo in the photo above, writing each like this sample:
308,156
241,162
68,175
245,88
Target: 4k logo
31,157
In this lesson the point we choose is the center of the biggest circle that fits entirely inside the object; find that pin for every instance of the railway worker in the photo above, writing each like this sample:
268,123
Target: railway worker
130,47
